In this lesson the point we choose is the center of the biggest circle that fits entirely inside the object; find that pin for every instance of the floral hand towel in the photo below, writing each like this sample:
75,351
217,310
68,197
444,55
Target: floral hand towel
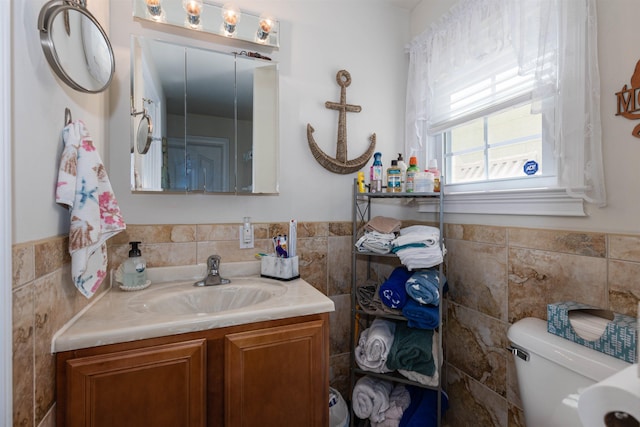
83,186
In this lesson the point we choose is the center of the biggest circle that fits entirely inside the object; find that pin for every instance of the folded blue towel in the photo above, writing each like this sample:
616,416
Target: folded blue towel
423,286
423,409
421,316
392,292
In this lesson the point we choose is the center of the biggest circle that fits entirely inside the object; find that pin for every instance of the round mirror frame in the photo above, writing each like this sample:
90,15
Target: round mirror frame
143,142
48,14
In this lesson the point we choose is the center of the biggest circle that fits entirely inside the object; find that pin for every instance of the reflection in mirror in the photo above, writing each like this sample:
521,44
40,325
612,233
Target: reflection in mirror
215,119
76,46
144,135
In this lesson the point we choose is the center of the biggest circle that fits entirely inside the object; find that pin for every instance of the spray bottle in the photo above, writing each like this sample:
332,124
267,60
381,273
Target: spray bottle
376,173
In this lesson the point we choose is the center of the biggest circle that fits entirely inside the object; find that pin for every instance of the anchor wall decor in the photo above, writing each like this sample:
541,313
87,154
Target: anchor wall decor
340,164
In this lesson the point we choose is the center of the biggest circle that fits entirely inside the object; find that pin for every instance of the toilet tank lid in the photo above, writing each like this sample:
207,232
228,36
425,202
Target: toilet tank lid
530,334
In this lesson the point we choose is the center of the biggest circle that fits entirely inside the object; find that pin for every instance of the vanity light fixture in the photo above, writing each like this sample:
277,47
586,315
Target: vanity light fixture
265,25
230,19
194,10
154,7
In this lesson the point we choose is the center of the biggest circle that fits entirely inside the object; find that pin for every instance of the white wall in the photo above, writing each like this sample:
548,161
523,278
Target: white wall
318,38
38,103
618,51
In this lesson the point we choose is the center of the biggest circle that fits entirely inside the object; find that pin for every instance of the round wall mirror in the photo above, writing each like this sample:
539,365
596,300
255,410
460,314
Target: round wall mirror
144,134
76,46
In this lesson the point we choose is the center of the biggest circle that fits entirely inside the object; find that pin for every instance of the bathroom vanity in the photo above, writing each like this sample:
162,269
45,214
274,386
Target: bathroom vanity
266,363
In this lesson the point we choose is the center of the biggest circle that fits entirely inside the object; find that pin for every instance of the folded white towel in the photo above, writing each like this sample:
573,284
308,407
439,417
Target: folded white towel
414,257
422,229
373,241
373,346
84,187
370,398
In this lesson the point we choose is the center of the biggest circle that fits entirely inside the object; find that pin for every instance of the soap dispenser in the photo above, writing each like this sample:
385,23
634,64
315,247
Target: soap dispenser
134,268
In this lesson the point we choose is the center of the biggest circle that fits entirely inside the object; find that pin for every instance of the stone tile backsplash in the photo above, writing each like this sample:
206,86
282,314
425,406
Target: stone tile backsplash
499,275
496,275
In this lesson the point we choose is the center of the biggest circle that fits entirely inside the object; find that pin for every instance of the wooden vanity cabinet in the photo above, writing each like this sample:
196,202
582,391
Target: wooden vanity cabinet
270,373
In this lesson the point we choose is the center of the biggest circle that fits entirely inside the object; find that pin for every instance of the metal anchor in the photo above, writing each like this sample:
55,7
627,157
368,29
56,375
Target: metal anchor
340,164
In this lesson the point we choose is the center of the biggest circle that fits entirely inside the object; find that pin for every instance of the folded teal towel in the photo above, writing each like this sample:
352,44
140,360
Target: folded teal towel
411,350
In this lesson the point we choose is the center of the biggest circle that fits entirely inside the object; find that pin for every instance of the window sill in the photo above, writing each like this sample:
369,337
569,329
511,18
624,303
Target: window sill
547,202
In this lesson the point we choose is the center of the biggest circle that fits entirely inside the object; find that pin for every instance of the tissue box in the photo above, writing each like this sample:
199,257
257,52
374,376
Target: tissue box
619,338
279,268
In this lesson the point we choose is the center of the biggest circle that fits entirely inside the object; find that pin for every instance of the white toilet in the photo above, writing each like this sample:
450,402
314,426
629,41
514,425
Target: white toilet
555,371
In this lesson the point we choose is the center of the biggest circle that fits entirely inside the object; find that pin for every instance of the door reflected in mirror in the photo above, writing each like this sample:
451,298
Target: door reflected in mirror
215,120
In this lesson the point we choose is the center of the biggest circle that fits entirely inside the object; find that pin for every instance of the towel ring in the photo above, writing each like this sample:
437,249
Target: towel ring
67,116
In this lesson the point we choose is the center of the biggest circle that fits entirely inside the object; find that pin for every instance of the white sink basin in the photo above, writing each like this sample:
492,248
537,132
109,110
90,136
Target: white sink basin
184,298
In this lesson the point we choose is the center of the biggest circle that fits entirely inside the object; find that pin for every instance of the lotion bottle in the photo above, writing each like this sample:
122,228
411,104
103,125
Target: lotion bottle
134,268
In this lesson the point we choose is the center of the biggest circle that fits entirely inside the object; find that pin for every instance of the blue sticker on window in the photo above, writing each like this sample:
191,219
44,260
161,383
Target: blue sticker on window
531,167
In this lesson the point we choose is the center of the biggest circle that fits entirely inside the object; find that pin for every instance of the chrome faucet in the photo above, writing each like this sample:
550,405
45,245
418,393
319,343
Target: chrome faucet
213,275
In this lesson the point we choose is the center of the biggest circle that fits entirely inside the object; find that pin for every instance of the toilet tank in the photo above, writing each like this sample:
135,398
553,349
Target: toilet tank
555,373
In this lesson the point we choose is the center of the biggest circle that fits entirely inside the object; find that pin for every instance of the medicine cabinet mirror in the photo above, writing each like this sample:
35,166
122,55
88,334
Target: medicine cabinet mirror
213,120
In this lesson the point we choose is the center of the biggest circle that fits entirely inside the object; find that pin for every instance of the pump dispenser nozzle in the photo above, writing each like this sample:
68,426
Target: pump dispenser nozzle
135,251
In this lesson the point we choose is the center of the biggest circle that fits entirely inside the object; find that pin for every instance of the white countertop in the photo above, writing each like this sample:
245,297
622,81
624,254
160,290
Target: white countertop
110,319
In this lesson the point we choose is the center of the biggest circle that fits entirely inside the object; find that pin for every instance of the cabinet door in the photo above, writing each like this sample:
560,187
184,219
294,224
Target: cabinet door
277,376
155,386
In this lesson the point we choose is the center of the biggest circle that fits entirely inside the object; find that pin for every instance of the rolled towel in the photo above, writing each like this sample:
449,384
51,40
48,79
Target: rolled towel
424,287
412,350
399,401
374,345
421,316
370,398
393,292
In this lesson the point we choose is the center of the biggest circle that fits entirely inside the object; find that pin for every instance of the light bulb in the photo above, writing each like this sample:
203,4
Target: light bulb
231,17
154,7
265,25
193,9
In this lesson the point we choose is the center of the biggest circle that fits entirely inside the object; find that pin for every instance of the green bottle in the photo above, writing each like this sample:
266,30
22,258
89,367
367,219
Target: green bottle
411,174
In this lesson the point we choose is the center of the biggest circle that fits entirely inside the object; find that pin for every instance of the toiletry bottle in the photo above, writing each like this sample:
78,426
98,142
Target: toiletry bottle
376,173
361,188
134,268
393,178
412,170
433,168
403,172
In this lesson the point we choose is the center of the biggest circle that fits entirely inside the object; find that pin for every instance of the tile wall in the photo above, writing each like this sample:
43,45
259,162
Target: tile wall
500,275
496,276
44,298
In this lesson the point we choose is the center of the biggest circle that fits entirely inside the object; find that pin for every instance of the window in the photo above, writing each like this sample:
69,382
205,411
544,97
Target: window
500,150
509,89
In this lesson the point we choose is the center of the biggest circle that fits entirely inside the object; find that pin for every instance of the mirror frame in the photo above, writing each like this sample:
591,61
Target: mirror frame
272,177
48,14
145,125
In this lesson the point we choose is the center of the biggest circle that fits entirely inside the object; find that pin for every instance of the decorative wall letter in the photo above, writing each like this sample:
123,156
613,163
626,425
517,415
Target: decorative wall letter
629,100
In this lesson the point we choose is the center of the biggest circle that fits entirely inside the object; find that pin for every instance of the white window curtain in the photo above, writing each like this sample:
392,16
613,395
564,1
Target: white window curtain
504,52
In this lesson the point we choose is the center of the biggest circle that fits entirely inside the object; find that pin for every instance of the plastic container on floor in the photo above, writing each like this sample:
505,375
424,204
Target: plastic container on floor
338,410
